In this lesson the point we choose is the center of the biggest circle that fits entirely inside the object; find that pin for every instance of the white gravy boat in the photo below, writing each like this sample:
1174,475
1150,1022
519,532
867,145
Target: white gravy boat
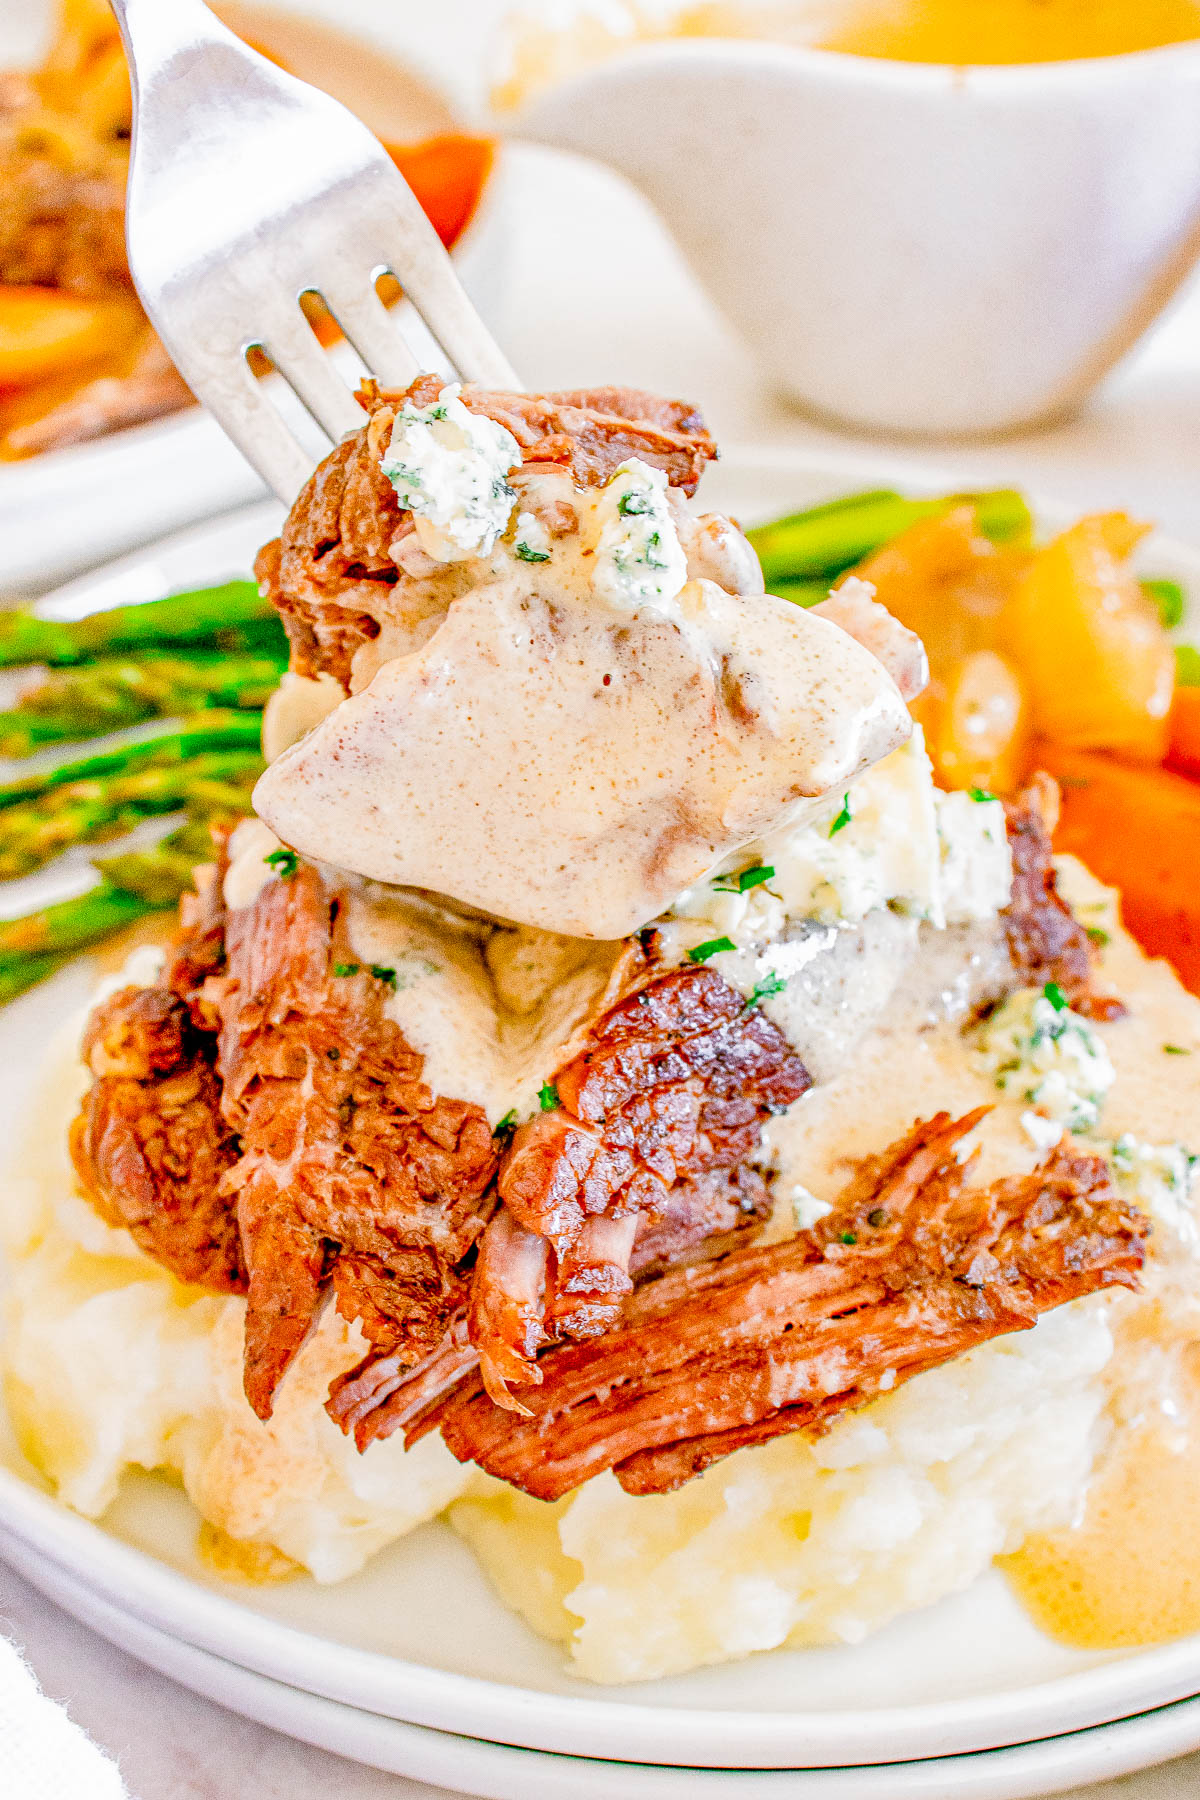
906,246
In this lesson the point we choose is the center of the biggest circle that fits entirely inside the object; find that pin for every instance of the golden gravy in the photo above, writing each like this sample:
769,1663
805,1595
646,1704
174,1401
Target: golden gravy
1010,31
1129,1573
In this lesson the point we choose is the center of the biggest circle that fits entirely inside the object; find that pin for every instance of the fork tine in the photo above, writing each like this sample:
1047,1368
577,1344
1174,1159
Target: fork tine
372,331
300,358
247,187
439,296
247,414
416,256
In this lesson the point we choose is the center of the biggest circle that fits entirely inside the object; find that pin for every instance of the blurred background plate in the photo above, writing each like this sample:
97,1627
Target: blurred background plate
68,509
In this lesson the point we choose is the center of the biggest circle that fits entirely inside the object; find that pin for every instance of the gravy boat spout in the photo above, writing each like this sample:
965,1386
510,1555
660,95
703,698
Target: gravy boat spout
910,247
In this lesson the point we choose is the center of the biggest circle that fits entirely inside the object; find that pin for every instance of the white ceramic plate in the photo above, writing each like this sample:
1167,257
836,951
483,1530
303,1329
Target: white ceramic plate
503,1773
969,1674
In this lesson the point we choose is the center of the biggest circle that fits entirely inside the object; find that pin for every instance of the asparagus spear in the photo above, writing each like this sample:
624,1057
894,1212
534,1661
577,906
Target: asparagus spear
135,882
118,691
233,617
158,875
69,925
1169,598
211,732
24,972
826,540
212,785
802,593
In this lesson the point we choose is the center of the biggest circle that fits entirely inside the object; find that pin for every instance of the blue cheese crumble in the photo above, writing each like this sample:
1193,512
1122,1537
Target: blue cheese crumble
942,858
1049,1056
1158,1178
531,540
449,467
806,1208
639,560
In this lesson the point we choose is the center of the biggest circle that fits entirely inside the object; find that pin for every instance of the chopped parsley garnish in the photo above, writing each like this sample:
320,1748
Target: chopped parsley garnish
527,553
843,818
284,862
877,1217
1054,994
1098,936
632,504
980,794
745,880
507,1123
773,983
381,972
346,968
1175,1050
548,1096
849,1237
713,947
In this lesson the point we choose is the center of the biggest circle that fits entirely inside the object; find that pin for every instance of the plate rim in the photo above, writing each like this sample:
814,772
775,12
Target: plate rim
373,1681
1101,1752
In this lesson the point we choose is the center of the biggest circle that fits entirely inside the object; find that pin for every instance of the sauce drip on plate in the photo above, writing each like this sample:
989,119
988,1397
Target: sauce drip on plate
1129,1573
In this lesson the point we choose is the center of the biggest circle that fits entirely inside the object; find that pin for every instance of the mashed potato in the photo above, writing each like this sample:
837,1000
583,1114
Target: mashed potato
808,1543
109,1363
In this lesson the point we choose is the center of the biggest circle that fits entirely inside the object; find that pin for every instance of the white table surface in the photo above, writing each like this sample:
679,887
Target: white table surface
574,315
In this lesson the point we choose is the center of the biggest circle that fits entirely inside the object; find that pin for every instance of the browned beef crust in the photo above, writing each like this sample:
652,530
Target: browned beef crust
331,571
149,1143
351,1171
700,1219
914,1267
1045,939
673,1084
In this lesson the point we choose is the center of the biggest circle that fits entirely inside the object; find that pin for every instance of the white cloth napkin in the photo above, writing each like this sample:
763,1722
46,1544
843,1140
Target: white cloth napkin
43,1756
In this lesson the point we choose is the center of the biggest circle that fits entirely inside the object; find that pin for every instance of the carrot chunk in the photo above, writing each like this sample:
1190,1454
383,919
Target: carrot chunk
1183,748
1138,829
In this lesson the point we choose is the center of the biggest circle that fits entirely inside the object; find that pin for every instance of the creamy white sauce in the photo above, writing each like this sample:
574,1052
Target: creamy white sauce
493,1018
916,1060
548,760
554,723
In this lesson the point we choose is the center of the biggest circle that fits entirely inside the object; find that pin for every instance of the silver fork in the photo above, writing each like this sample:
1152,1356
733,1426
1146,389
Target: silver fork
248,189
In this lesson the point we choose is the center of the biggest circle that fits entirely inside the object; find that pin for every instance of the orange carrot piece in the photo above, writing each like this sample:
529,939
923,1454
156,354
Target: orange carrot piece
44,332
447,175
1138,829
1183,748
